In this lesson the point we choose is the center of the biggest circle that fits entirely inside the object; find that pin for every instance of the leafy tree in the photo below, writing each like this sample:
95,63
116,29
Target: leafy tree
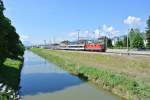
109,43
20,49
65,42
13,39
14,45
136,41
148,32
10,45
125,41
3,41
119,43
131,37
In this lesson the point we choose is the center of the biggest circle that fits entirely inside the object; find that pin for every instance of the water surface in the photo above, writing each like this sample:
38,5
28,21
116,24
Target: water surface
42,80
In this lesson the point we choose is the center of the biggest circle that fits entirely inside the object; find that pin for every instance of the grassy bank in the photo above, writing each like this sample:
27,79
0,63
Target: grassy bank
123,75
10,76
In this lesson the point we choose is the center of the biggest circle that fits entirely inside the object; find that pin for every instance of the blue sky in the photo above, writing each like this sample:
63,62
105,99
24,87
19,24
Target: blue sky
38,20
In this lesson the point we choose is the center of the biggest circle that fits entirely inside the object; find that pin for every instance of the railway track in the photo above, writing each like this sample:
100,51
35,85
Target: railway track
128,53
125,52
138,53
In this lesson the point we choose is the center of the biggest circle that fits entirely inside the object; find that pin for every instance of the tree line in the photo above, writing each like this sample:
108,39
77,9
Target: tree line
135,39
10,44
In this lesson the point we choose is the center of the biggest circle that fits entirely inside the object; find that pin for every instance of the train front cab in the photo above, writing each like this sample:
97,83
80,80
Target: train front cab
94,47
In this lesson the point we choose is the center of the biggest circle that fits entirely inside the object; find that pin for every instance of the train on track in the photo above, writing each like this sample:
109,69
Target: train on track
85,45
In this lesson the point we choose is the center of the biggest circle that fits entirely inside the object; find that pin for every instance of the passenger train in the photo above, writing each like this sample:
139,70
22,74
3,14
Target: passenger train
85,45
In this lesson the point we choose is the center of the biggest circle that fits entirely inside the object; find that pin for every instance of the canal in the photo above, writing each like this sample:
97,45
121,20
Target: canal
43,80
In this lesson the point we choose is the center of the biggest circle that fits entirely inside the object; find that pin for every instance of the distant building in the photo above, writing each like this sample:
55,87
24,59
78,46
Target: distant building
143,35
114,40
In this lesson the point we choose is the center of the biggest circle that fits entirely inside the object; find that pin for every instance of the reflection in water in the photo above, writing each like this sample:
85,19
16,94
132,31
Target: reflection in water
42,83
43,80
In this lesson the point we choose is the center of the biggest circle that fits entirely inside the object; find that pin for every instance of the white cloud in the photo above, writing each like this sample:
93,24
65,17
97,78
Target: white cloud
82,35
85,34
103,31
106,30
110,30
73,34
59,39
97,33
24,37
131,20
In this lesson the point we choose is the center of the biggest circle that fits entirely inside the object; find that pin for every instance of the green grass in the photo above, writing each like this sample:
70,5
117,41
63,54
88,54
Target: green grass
3,97
10,72
10,75
115,73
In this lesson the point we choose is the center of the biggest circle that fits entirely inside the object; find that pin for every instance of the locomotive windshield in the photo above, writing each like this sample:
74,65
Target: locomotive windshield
100,40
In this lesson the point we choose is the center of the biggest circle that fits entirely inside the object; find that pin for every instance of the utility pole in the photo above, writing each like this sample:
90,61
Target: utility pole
45,42
106,40
94,36
99,33
78,34
128,41
54,40
50,42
